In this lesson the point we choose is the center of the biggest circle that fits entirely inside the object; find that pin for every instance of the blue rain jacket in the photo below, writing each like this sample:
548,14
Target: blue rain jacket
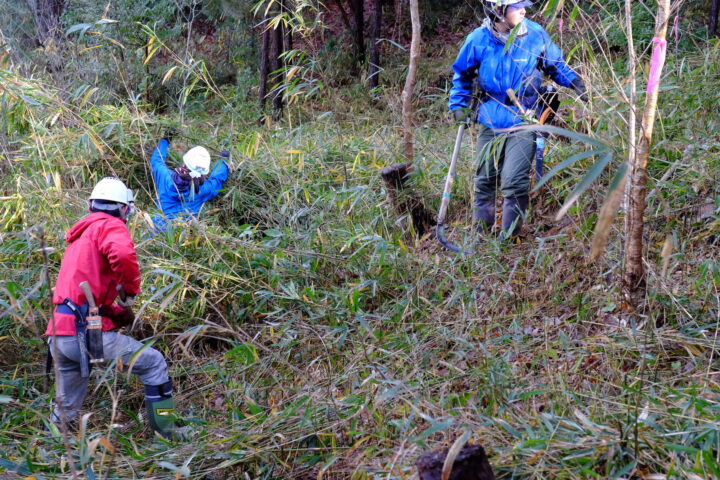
520,68
177,203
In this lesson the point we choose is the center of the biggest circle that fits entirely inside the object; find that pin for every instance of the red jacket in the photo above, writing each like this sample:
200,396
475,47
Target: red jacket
100,251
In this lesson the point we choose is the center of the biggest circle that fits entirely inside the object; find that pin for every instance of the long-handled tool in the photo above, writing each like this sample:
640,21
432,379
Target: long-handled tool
94,326
447,192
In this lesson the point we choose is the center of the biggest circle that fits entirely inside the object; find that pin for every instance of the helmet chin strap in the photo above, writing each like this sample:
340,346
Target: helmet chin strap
500,18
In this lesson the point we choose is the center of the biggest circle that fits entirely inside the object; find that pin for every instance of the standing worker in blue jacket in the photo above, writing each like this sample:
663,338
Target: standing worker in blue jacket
497,67
184,189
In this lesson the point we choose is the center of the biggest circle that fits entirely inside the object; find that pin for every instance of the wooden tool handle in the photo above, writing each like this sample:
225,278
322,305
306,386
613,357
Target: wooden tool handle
85,287
513,98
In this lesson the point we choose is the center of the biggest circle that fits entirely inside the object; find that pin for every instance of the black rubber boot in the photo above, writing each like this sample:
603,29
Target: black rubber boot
161,409
514,210
484,216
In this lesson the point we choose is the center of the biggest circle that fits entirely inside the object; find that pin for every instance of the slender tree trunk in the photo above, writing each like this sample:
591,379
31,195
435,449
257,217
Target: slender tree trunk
343,15
276,64
46,14
375,47
712,21
632,114
359,31
49,29
407,93
634,280
264,63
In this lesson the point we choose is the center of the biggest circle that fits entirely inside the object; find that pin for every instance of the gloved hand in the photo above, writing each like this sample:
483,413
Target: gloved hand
120,316
225,154
127,303
462,115
169,134
579,87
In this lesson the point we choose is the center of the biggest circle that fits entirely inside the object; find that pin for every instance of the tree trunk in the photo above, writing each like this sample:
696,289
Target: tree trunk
46,14
264,63
374,46
410,81
359,31
634,280
343,15
404,200
712,21
276,64
470,464
49,29
288,37
632,113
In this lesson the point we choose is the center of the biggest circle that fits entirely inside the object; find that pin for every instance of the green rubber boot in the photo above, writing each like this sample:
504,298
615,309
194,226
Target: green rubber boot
161,415
161,409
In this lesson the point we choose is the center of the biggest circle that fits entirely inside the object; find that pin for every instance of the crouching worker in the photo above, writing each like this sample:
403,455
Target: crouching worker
101,253
183,190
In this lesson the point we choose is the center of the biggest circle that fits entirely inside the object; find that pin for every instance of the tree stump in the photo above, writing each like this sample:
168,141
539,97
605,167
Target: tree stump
470,464
403,200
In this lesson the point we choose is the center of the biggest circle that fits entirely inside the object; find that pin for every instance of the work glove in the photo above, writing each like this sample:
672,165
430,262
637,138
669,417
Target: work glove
169,134
462,115
127,303
225,154
579,87
120,316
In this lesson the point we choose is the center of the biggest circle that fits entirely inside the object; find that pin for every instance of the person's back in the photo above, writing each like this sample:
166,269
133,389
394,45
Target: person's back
101,255
183,191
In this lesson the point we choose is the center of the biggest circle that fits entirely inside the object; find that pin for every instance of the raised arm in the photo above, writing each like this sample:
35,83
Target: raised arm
161,172
214,183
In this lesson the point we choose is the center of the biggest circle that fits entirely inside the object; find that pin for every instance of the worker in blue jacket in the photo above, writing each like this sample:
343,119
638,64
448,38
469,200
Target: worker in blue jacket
486,58
183,190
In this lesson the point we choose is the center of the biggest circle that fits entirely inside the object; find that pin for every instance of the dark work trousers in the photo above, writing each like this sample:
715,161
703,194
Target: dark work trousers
511,154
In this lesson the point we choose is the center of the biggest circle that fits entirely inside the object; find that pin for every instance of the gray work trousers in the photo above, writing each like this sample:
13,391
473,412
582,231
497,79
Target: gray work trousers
509,153
71,389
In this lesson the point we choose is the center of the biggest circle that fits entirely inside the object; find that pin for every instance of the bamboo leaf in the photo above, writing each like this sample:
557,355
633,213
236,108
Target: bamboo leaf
87,96
152,50
608,212
587,180
436,426
564,164
168,74
511,38
563,132
452,454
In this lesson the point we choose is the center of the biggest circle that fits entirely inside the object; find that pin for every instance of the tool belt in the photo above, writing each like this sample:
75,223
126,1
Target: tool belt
69,307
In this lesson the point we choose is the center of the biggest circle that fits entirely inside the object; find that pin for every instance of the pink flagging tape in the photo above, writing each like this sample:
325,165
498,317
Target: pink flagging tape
561,25
656,64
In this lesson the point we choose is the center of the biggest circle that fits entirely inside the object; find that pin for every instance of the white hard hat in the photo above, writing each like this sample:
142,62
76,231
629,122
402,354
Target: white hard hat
110,189
197,159
130,196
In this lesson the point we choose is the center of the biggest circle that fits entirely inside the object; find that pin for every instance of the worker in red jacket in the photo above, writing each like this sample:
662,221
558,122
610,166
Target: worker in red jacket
100,251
